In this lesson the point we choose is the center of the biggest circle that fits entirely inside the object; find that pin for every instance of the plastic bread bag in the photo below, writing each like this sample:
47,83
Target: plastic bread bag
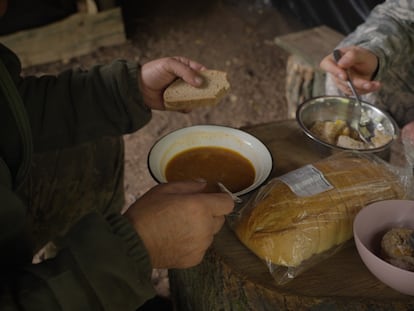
296,220
407,140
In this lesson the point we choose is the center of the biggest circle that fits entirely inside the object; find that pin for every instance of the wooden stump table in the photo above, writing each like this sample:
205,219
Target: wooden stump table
232,278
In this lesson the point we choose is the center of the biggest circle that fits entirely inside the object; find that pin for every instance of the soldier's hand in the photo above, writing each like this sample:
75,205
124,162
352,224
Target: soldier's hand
177,222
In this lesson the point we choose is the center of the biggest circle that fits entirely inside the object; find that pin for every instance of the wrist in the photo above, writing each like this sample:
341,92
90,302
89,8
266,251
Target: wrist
141,228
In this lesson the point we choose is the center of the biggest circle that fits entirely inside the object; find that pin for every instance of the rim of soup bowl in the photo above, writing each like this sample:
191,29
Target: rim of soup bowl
185,138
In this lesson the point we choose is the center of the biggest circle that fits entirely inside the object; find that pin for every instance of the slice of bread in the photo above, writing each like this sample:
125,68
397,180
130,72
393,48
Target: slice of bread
183,96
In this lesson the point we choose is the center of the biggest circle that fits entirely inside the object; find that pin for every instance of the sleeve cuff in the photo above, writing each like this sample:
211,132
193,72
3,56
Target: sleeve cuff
133,71
134,246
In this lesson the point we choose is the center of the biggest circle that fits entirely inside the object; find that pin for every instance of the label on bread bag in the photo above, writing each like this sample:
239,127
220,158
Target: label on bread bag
306,181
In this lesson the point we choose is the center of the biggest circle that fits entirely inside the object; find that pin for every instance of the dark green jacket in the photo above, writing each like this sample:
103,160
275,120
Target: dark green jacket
103,264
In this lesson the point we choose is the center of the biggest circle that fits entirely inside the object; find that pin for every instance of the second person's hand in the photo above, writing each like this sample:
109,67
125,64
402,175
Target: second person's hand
361,64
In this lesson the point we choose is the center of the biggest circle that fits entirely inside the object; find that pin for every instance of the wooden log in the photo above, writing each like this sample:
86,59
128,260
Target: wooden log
304,78
300,77
232,278
76,35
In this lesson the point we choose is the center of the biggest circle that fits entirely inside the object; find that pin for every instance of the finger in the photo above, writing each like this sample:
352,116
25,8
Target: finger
341,84
347,91
193,64
352,56
365,86
371,86
360,61
348,58
219,204
355,54
329,65
344,89
358,84
185,69
183,187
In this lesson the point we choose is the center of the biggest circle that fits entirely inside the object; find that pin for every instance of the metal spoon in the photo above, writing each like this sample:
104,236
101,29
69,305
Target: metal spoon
223,188
360,120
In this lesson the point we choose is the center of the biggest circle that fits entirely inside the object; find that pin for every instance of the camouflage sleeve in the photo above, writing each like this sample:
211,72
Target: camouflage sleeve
389,33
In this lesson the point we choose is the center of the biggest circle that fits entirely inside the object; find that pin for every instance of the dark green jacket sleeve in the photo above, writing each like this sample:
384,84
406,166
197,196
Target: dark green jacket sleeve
102,265
79,105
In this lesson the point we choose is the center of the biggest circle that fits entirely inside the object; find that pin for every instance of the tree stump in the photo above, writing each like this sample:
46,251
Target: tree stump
307,48
300,78
232,278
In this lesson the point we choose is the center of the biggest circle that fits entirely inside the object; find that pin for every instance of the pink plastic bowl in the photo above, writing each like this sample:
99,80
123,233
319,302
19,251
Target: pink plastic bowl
369,226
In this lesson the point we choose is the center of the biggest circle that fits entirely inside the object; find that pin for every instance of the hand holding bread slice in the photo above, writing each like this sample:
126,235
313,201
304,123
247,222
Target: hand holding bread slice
183,96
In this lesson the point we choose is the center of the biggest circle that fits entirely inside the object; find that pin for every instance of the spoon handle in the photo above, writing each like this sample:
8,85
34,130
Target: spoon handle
360,124
337,56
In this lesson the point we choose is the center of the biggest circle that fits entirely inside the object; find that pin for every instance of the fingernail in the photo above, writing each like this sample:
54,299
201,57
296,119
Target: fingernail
341,76
366,86
198,80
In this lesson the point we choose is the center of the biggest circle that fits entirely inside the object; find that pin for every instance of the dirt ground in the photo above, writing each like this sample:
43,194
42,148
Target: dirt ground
230,35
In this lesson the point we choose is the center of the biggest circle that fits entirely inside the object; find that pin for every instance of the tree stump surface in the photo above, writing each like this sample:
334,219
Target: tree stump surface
232,278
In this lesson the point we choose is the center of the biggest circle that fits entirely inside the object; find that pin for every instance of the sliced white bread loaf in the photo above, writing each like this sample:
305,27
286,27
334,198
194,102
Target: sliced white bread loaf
183,96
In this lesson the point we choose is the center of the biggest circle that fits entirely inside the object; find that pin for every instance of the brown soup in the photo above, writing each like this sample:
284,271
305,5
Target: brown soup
214,164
